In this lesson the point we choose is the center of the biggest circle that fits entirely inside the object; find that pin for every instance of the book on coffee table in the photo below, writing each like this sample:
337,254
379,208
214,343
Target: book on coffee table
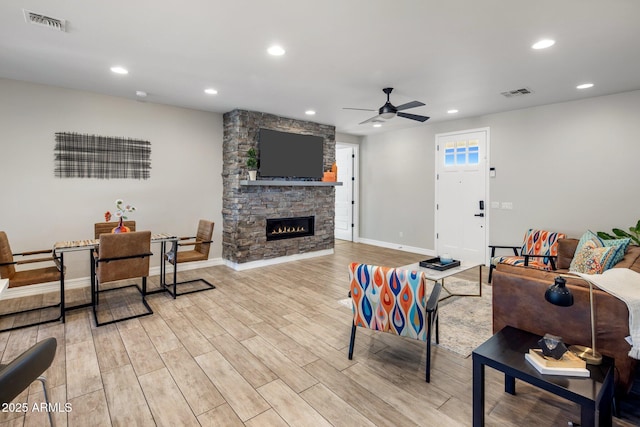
567,365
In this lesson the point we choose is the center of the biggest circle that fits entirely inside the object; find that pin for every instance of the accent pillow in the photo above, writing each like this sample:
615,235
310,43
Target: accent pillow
591,259
589,236
621,247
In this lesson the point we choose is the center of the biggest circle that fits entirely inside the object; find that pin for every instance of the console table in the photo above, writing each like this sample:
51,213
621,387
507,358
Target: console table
505,352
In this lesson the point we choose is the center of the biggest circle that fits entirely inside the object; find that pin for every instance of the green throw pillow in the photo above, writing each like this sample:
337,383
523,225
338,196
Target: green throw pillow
621,247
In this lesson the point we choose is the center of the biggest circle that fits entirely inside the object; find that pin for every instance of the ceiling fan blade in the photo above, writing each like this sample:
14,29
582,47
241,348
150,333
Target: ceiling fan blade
413,117
408,105
360,109
376,118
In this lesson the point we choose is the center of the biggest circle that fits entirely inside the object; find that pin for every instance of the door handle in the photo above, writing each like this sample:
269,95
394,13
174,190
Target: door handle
480,215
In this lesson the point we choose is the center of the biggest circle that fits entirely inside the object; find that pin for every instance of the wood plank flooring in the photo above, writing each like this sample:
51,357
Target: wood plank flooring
267,347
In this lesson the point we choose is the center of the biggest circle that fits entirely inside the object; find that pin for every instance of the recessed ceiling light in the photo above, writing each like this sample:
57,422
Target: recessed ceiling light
211,91
543,44
276,50
377,125
310,112
453,111
584,86
119,70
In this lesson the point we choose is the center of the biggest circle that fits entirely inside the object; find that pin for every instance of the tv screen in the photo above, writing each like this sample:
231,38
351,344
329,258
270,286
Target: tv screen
285,154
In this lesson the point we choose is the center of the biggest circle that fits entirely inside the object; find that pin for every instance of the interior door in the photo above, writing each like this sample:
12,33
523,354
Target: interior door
462,195
344,194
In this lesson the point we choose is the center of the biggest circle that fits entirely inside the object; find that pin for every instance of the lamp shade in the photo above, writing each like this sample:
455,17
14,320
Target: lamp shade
559,294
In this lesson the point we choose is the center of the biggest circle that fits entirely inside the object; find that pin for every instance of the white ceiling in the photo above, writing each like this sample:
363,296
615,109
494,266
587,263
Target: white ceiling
340,53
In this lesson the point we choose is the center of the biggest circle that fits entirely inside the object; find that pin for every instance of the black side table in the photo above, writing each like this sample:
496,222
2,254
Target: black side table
505,352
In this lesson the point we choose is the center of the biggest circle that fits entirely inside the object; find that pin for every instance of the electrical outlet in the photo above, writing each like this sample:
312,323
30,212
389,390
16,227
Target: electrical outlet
507,205
401,234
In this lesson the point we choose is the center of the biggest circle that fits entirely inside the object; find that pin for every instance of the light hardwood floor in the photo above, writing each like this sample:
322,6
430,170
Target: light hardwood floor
268,347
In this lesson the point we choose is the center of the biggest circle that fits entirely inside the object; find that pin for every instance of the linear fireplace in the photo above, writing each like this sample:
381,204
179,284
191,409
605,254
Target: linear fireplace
288,228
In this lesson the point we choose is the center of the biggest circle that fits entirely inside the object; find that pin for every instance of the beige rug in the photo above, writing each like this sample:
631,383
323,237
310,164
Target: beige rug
465,322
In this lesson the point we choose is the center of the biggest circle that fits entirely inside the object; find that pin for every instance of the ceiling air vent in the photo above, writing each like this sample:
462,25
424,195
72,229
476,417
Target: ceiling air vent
517,92
45,21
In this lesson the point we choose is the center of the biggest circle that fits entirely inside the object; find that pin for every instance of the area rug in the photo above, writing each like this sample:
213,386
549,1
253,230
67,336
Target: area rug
465,321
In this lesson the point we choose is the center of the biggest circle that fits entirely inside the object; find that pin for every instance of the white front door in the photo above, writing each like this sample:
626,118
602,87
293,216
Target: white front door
344,194
462,195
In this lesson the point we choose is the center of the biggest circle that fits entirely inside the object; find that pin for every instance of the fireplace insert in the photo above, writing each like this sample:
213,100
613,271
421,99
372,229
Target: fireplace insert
288,228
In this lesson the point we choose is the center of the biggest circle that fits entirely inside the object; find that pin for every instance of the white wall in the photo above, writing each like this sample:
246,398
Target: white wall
38,209
569,167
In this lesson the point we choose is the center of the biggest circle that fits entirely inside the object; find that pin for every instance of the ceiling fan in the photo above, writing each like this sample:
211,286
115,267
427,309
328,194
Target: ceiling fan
388,110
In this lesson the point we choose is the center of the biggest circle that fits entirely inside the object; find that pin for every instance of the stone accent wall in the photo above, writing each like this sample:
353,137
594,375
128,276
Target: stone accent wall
245,209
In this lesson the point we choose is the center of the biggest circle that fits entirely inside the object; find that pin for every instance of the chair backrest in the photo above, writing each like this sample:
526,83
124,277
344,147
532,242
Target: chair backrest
133,248
541,242
389,299
205,232
26,368
6,257
106,227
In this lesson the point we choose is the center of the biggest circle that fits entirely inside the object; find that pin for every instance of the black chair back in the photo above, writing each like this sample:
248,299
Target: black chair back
25,369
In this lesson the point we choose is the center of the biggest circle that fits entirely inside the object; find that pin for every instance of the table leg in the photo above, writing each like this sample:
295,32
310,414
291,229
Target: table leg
478,392
587,416
509,384
175,270
163,251
605,407
62,309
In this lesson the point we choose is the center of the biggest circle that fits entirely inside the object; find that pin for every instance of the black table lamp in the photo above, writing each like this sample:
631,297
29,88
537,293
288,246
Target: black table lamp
559,294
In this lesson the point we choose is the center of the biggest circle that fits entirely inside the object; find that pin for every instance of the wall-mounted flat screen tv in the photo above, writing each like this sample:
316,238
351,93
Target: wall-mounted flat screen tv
287,155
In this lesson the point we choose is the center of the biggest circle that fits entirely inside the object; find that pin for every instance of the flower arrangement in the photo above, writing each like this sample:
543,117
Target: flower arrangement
121,211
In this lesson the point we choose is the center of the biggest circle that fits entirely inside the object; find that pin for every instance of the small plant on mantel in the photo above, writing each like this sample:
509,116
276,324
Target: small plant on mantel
252,163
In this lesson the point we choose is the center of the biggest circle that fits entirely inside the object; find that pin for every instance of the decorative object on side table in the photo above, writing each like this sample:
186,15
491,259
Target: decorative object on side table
440,263
552,358
120,213
559,294
252,163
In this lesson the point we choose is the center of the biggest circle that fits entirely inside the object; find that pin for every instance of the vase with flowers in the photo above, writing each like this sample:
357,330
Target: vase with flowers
120,214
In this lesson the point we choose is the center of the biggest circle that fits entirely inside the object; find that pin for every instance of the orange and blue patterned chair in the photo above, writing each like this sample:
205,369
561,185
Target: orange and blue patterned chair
393,300
539,250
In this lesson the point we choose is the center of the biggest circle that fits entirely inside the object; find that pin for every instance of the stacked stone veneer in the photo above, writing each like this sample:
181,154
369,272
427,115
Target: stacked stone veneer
245,209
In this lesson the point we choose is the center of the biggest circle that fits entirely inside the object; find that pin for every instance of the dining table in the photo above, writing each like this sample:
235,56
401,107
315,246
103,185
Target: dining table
62,247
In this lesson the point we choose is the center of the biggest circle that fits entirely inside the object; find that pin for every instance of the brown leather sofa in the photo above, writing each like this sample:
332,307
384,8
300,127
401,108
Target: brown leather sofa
518,301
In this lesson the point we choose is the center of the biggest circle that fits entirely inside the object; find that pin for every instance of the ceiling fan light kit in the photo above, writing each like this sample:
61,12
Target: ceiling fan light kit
389,111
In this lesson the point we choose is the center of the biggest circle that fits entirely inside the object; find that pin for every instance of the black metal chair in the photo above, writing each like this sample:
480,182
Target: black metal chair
201,243
120,257
16,376
29,276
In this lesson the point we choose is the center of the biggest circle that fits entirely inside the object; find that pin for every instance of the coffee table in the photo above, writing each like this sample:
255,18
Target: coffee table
505,352
439,276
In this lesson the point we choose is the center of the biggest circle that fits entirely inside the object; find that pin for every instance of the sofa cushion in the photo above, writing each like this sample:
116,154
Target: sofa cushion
566,251
592,259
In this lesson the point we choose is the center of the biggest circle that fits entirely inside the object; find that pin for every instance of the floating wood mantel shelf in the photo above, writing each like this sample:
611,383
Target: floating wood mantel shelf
283,183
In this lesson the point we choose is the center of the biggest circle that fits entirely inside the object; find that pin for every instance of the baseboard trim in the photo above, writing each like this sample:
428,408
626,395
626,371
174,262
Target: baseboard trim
265,262
397,246
85,282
